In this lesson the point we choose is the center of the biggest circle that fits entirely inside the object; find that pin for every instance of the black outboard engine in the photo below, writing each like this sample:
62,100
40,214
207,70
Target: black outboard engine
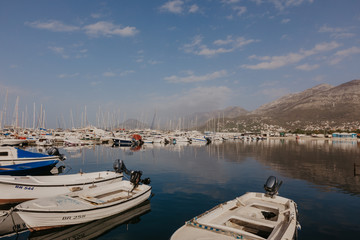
53,151
272,186
135,176
119,167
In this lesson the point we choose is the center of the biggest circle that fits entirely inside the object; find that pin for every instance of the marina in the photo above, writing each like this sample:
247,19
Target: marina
189,179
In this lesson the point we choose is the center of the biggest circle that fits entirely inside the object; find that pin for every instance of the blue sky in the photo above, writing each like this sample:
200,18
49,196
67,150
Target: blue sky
128,59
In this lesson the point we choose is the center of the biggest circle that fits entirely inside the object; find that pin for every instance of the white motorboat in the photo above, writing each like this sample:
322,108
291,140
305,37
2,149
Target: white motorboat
16,189
256,216
12,141
85,205
12,155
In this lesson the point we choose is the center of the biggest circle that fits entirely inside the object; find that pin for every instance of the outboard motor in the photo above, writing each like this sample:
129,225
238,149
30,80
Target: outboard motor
119,167
272,186
53,151
135,176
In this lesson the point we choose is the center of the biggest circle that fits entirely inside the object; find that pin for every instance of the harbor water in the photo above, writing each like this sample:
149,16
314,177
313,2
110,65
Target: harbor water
321,176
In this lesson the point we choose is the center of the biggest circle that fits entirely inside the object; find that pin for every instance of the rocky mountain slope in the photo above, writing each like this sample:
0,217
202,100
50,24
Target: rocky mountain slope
323,106
321,103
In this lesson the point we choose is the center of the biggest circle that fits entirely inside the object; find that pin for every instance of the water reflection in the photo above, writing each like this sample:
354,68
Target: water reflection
189,179
321,162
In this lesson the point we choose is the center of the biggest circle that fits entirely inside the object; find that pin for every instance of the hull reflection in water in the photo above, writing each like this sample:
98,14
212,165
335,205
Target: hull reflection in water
96,228
10,223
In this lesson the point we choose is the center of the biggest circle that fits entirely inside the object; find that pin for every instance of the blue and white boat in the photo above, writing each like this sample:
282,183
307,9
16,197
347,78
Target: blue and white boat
30,168
11,155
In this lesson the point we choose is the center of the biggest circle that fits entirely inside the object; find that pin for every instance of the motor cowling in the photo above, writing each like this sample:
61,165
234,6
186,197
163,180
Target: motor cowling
272,186
135,176
53,151
119,167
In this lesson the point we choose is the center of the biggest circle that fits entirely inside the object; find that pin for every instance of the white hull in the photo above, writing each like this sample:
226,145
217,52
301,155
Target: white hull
244,218
93,229
82,206
15,189
12,142
26,160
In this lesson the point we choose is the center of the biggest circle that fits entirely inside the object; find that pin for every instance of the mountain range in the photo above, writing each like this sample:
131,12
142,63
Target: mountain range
323,106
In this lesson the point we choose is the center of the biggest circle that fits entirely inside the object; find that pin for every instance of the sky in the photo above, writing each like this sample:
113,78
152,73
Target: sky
100,62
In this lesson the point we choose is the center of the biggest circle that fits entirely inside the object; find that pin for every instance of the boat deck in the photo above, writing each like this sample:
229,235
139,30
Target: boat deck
120,194
257,217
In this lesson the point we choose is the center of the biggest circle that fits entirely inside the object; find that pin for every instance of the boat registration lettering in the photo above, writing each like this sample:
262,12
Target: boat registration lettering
24,187
73,217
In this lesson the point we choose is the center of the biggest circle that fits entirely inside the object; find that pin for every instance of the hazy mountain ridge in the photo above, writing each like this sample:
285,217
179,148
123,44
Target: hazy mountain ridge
201,118
322,106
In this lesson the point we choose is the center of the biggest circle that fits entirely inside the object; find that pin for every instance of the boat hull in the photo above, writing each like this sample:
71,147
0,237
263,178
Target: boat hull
31,168
12,155
64,210
16,189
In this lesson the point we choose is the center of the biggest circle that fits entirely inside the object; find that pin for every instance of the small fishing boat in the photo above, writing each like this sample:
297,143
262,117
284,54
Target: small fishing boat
16,189
12,155
31,168
256,216
85,205
94,229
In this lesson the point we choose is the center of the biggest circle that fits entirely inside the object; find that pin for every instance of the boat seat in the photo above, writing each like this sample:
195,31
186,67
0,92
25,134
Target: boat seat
255,221
91,199
265,205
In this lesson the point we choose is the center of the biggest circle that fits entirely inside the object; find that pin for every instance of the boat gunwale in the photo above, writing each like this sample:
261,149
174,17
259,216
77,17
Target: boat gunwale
83,210
60,185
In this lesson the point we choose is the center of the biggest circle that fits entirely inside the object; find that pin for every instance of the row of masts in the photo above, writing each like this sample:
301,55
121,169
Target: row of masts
104,120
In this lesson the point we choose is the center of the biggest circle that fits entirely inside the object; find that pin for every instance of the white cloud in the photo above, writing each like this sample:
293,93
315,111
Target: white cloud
96,15
192,78
126,72
283,4
285,20
52,25
240,10
101,28
196,47
308,67
95,83
230,1
193,8
342,54
175,6
65,75
291,58
59,51
337,33
109,74
108,29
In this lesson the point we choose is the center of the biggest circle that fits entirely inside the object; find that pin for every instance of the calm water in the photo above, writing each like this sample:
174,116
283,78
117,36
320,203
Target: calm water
190,179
